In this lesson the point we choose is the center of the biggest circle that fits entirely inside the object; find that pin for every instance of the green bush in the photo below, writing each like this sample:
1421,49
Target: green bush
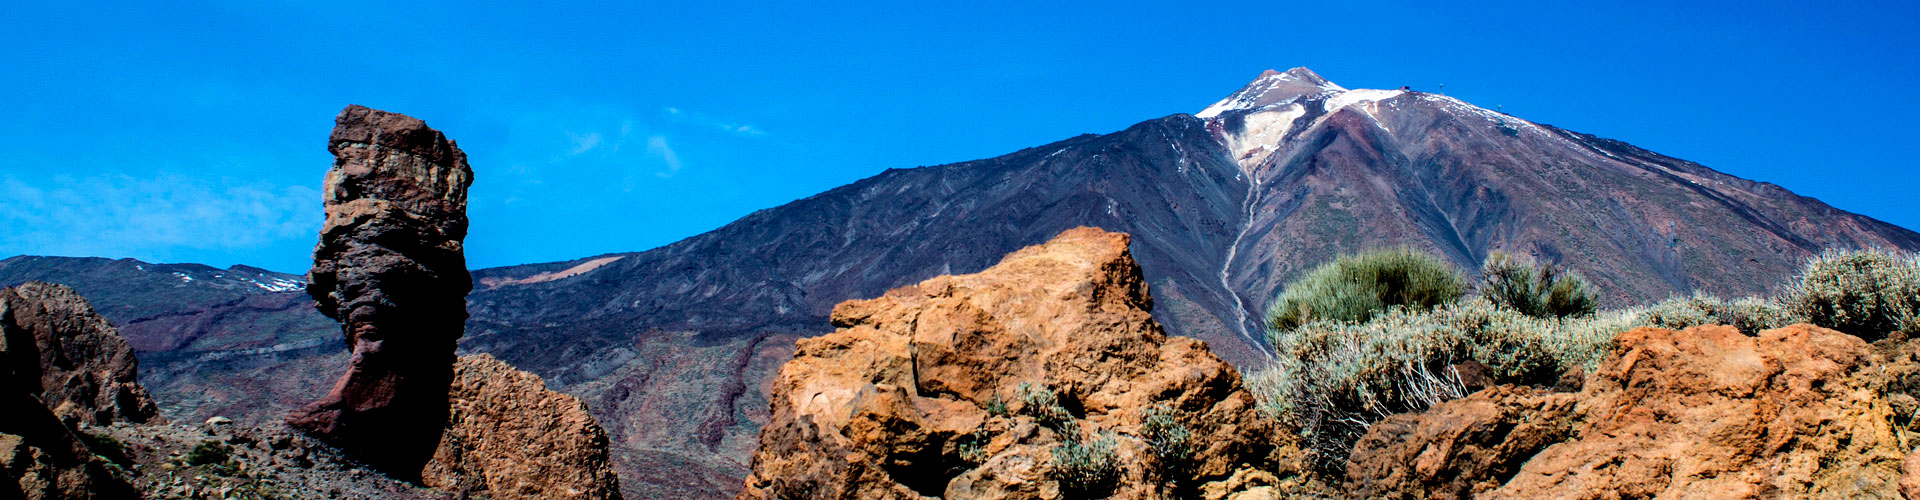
1748,314
1332,379
1170,440
209,453
1872,294
1534,289
1354,288
1086,468
1044,406
973,447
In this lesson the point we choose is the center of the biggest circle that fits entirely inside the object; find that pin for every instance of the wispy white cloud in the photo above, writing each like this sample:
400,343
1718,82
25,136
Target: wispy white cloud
583,143
704,121
150,217
657,146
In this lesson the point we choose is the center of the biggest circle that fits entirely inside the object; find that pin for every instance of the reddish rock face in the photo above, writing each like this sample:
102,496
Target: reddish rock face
920,393
390,269
79,366
1706,412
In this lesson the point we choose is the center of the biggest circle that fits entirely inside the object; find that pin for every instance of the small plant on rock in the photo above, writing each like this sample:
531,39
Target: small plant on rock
1086,468
973,447
997,407
1044,406
1169,439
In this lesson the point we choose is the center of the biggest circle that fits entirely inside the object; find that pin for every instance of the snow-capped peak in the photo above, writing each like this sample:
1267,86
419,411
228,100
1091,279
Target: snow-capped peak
1272,87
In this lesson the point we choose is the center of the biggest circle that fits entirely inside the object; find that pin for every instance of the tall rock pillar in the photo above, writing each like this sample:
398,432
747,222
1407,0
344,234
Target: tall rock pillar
390,269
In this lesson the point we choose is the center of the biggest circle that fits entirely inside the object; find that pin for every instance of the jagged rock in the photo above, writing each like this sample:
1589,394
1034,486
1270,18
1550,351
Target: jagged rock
1702,413
390,269
509,437
1458,449
55,352
920,391
73,360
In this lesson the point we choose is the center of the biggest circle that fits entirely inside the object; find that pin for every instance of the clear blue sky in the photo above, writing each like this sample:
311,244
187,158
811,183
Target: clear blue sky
197,133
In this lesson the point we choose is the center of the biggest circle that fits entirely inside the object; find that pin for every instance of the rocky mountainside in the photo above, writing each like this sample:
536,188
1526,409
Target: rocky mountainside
674,348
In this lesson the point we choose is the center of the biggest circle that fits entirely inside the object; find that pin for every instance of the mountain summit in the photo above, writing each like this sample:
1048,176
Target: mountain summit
1273,87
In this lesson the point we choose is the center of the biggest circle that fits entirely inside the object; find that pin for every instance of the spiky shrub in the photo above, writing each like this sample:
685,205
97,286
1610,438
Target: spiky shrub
1748,314
1044,406
208,453
1170,440
1354,288
997,407
972,447
1086,468
1872,294
1535,289
1332,379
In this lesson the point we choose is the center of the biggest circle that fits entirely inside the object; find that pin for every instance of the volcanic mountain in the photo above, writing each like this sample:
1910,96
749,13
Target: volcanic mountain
672,347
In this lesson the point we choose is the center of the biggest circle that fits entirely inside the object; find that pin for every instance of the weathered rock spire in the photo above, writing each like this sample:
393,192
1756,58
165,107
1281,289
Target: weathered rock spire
390,269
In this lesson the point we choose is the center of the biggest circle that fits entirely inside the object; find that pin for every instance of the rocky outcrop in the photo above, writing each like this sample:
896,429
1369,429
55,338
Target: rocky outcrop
390,269
70,357
61,365
1041,377
1702,413
508,437
41,458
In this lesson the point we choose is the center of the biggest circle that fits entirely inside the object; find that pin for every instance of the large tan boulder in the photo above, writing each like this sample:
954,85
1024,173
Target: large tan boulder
942,389
1707,412
508,437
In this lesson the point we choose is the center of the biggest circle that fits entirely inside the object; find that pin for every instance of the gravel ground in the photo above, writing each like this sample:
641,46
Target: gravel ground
219,460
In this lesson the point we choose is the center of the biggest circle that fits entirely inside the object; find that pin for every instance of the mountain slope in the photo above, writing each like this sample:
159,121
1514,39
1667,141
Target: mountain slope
672,348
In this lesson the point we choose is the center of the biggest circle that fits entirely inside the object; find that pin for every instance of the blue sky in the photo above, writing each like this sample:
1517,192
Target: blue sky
197,133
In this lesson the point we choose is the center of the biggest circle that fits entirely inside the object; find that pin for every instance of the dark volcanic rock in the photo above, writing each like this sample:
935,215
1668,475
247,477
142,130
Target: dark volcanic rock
390,269
69,357
55,352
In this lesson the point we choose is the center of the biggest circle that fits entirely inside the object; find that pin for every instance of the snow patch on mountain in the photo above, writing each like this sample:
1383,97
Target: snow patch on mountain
1352,97
1262,133
1272,87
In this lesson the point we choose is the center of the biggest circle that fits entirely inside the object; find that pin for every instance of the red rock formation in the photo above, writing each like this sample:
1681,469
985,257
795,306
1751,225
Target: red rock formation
510,438
390,269
920,392
82,368
1795,412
